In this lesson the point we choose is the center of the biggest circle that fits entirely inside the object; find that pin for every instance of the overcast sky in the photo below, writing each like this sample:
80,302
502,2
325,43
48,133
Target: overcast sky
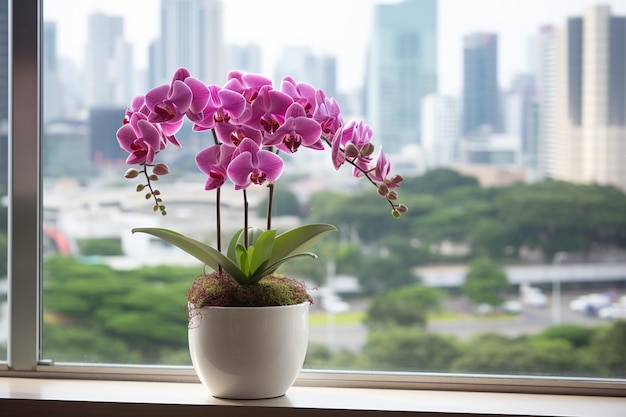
339,27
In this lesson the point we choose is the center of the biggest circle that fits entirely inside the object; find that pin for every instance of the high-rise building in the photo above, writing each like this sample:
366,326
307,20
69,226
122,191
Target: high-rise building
590,145
244,58
52,104
401,70
481,104
102,128
440,129
191,37
304,66
546,75
109,62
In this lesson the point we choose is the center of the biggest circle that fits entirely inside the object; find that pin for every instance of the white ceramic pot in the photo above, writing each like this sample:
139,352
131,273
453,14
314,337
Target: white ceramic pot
249,352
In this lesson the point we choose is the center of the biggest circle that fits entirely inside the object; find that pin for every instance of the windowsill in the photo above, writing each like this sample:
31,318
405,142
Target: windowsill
32,396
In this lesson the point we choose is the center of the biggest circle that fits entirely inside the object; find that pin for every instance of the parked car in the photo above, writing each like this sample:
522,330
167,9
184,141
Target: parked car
513,306
590,303
614,310
533,297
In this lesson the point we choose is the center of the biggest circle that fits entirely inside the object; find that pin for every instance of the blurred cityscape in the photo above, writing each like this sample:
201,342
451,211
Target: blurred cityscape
563,119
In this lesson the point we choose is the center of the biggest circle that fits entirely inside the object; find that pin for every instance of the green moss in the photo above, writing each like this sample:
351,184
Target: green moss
222,291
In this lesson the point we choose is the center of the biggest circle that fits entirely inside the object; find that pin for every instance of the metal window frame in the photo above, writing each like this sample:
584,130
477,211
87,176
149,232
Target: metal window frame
24,262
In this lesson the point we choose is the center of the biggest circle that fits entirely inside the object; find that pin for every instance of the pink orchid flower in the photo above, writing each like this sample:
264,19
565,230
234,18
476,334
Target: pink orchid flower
302,93
268,110
298,129
253,165
232,134
248,85
214,161
356,136
327,113
221,106
168,103
140,138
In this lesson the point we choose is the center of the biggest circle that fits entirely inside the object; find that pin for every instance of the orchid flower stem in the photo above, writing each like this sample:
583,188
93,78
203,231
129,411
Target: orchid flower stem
149,184
218,216
270,201
245,218
218,210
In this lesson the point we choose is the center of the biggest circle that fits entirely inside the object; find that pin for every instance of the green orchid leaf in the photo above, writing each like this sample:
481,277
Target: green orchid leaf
253,235
199,250
242,259
298,239
273,267
232,245
263,248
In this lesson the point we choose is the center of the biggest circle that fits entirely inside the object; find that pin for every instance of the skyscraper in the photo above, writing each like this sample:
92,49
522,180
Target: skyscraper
109,62
402,69
52,105
481,108
244,58
440,129
191,37
591,141
546,76
304,66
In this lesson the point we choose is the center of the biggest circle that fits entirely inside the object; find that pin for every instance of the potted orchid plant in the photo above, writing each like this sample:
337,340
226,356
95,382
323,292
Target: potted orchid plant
251,123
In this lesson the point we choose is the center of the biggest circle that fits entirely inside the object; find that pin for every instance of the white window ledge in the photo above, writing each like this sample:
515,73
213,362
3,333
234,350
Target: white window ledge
65,397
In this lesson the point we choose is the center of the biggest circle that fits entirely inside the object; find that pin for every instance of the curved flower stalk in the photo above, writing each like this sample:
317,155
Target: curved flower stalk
252,122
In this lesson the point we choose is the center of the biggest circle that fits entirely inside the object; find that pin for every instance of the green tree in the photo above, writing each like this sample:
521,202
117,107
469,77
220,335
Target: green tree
557,216
380,273
485,282
608,347
579,336
405,306
409,349
498,354
92,306
100,247
362,212
490,237
437,181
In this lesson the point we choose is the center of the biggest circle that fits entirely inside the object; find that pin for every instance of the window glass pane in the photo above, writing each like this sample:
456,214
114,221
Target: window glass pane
4,171
511,259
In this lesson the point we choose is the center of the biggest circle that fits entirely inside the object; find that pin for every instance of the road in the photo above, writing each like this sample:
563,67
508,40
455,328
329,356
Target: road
530,321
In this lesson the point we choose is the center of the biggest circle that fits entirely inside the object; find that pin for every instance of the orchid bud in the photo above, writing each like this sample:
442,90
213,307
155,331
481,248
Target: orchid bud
383,190
396,214
156,192
153,177
396,179
161,169
351,151
148,196
131,173
140,187
392,195
367,150
402,208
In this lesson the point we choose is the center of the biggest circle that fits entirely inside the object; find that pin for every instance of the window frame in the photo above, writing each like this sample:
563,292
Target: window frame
24,263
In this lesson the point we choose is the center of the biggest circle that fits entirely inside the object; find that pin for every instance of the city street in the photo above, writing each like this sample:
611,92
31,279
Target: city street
531,320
